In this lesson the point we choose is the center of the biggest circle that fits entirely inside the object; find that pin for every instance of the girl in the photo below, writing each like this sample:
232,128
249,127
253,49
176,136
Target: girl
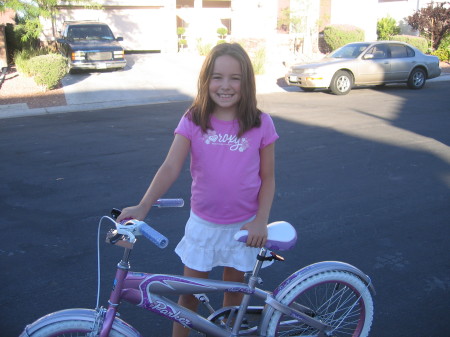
232,149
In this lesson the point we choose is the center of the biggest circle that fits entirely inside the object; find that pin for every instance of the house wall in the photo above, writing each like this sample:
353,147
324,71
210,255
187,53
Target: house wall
3,61
140,28
400,10
6,17
254,18
358,13
143,24
151,24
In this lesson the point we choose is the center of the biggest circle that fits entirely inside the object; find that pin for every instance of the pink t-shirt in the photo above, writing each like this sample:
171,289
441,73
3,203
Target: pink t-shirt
225,169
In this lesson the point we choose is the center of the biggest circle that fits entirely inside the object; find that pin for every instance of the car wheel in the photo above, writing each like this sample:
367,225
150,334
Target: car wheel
307,89
342,83
417,79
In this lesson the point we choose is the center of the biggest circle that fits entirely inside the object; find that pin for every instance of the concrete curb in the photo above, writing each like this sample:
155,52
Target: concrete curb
22,110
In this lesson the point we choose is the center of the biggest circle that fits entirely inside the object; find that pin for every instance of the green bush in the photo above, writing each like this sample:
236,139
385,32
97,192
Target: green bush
337,36
16,42
221,41
182,43
22,57
181,31
387,27
443,54
203,48
419,42
445,42
222,31
48,70
258,61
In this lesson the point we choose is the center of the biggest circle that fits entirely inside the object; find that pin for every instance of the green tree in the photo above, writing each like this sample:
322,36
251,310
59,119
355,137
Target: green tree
290,21
31,11
433,22
387,27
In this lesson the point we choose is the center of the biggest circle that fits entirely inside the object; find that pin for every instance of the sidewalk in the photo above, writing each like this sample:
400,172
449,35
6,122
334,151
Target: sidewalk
147,79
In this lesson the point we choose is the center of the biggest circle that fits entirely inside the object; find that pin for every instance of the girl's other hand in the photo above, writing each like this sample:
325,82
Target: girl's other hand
257,233
137,212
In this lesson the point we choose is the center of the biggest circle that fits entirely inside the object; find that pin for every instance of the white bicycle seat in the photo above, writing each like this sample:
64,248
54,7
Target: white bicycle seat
281,236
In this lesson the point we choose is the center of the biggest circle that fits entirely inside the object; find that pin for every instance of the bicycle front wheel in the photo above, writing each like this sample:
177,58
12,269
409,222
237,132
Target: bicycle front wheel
70,328
336,298
74,322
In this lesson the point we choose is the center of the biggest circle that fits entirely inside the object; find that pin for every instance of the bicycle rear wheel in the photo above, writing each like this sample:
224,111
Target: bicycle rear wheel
337,298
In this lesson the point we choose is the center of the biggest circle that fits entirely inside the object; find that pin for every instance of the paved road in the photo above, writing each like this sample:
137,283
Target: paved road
364,178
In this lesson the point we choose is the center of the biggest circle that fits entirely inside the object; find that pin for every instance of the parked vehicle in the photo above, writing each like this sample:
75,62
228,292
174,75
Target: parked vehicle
366,63
91,45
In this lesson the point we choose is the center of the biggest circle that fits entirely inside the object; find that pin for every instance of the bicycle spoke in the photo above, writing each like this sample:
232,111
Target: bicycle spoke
334,303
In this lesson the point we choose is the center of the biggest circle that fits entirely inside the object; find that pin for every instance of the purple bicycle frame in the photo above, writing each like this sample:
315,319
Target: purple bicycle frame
144,290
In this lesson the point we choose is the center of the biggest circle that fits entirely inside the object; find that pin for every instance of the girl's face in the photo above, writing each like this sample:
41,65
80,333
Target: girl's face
225,84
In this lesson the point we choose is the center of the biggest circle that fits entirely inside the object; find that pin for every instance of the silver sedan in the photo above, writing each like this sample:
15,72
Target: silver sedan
366,63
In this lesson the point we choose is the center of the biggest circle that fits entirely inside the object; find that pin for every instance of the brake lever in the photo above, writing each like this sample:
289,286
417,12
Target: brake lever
115,213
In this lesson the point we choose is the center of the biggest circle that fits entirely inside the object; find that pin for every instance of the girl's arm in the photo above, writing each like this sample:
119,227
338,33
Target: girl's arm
257,228
164,178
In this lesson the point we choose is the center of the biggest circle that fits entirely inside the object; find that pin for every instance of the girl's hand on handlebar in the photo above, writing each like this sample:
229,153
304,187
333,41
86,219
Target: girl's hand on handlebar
137,212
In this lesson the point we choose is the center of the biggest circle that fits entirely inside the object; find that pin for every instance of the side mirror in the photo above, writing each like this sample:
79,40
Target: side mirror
120,38
369,56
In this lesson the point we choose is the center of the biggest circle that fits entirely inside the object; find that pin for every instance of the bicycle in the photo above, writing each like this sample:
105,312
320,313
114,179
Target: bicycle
324,299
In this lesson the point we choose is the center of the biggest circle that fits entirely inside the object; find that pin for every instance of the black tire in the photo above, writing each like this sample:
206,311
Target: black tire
417,79
342,83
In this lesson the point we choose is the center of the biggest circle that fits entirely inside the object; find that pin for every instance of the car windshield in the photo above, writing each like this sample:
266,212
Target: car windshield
90,32
349,51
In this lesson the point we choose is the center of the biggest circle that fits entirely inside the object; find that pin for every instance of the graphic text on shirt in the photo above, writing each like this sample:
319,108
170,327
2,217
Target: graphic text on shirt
232,141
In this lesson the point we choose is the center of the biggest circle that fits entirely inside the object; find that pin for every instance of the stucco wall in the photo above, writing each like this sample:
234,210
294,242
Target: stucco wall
359,13
3,62
142,29
399,10
143,24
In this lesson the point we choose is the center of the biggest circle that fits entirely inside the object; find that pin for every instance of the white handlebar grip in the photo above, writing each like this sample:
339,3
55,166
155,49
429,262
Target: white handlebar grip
169,203
153,235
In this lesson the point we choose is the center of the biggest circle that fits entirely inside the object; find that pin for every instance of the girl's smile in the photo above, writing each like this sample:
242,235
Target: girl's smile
225,86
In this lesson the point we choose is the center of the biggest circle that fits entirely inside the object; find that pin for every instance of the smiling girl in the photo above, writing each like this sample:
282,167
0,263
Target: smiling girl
232,148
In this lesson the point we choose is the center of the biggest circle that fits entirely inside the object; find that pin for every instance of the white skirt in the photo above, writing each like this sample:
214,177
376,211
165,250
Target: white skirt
206,245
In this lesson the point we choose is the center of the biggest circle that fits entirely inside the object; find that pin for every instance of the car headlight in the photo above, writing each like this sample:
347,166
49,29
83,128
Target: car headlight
78,56
311,71
119,54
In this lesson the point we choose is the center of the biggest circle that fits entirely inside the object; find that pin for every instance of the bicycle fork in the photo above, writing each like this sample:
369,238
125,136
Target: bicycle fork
114,300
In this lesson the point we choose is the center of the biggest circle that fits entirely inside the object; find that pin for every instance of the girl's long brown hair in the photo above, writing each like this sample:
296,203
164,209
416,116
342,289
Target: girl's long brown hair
248,114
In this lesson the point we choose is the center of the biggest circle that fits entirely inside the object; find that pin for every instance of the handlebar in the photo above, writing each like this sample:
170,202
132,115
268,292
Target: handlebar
153,235
132,227
161,203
